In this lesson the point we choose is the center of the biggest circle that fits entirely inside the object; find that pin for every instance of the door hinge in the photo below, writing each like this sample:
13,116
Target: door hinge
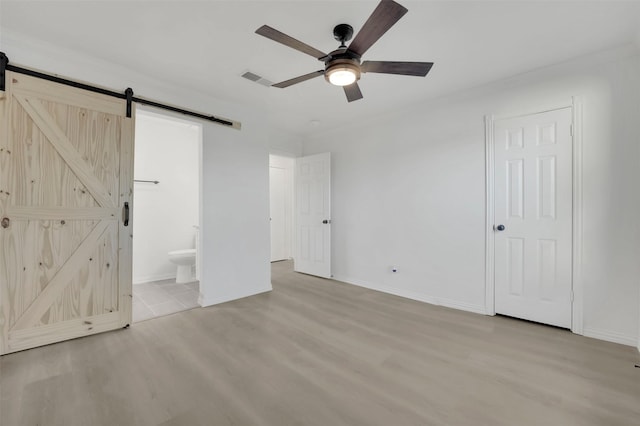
571,295
571,129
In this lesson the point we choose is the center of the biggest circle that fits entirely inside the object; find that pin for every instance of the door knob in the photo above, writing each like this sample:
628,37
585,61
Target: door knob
326,221
5,222
500,228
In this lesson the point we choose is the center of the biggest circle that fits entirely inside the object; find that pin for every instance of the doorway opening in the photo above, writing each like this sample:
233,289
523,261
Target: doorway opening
166,215
281,190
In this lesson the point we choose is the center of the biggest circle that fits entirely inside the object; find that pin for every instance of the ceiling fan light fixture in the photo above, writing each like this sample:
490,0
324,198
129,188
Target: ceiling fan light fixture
343,73
342,77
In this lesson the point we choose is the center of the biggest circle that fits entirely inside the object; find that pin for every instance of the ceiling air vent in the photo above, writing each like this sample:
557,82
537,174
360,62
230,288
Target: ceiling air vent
256,78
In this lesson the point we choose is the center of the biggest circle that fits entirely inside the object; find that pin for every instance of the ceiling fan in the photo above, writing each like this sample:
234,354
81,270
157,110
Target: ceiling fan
343,66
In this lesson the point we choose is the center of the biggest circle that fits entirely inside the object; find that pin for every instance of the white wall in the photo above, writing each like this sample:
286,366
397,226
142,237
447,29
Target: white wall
409,190
164,215
284,143
234,215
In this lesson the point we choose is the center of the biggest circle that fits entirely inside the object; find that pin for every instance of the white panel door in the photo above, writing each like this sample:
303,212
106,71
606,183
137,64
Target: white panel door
313,215
533,217
277,207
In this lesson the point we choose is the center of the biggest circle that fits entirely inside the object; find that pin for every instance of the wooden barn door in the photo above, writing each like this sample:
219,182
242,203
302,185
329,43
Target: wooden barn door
66,159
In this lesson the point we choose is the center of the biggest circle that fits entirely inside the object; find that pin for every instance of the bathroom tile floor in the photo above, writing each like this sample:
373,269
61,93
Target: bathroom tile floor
158,298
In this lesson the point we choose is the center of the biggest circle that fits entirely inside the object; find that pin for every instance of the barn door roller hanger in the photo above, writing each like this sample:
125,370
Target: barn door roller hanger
127,95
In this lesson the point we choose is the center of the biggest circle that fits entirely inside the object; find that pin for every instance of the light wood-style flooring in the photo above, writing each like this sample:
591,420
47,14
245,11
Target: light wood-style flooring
319,352
159,298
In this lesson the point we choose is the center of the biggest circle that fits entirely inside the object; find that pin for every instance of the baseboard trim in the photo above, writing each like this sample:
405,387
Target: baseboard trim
420,297
610,336
606,335
204,302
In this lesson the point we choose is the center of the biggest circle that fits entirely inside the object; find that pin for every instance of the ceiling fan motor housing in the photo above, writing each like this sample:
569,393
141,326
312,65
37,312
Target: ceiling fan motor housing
342,60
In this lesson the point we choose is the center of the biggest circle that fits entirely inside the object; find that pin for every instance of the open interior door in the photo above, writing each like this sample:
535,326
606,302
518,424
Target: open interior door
66,159
313,215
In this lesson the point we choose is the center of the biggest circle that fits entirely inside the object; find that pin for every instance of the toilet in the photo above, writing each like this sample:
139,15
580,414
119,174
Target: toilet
185,259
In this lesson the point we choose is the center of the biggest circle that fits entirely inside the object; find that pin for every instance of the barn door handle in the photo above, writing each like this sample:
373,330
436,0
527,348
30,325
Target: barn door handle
125,214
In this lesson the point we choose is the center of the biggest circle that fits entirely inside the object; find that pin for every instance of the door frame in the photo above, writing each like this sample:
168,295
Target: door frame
576,104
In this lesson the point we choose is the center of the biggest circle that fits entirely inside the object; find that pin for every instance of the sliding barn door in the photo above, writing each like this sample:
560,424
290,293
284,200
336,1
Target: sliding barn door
66,158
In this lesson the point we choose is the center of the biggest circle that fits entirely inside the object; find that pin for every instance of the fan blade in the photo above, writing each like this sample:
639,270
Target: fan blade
300,79
275,35
383,17
353,92
404,68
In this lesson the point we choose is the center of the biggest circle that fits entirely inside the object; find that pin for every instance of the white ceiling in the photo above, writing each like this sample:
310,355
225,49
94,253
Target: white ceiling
206,45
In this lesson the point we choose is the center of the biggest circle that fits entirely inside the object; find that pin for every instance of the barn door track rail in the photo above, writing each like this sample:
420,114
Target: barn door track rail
127,94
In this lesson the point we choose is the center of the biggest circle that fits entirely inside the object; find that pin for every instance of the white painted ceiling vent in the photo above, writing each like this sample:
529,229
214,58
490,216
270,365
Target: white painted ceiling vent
256,78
